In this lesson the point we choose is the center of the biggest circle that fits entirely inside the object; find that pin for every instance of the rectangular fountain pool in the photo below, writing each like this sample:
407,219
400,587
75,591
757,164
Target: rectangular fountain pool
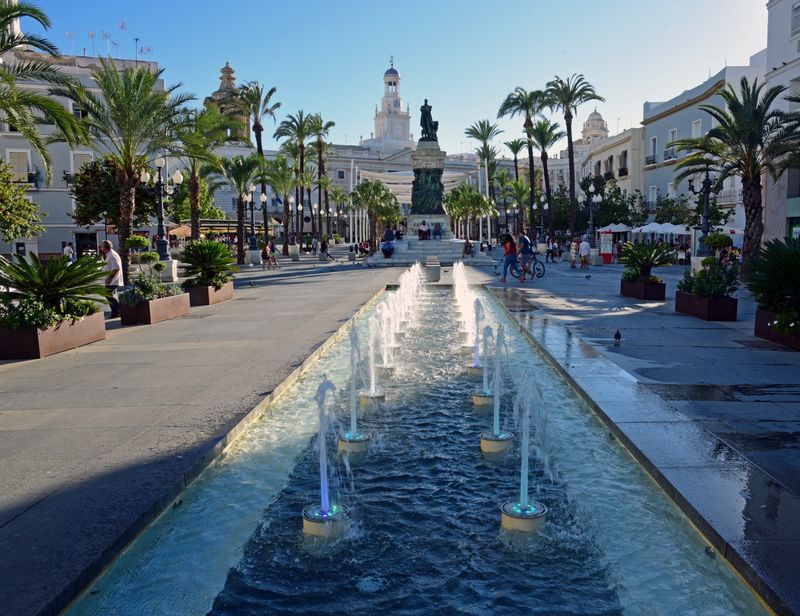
424,534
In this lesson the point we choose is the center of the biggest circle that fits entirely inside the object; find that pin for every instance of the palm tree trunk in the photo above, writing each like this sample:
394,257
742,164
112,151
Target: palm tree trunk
311,213
753,223
531,175
548,195
327,213
286,215
320,172
240,230
373,231
573,208
516,168
258,129
127,205
194,204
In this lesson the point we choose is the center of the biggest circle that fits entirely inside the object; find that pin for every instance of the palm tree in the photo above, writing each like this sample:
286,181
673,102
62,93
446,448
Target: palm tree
296,129
307,180
484,132
515,146
503,179
567,95
280,175
240,173
130,119
749,140
325,184
519,193
339,198
319,130
252,100
26,109
380,203
198,135
543,135
530,105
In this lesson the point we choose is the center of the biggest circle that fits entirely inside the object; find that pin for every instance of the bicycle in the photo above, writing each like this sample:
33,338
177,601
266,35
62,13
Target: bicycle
532,263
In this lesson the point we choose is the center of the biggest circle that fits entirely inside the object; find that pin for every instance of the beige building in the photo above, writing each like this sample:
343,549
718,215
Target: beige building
618,158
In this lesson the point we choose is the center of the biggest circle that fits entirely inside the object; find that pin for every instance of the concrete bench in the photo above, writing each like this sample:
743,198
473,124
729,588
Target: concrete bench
432,269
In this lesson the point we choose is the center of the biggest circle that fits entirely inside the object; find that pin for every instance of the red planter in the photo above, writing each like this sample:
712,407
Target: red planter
706,308
155,310
653,291
206,296
33,343
763,330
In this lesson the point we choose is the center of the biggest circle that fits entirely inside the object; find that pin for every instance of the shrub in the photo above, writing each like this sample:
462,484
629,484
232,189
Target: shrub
44,293
773,278
145,288
207,264
642,258
718,241
713,280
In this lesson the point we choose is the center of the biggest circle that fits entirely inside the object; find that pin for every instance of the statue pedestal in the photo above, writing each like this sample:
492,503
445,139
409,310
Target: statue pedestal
428,155
415,220
427,192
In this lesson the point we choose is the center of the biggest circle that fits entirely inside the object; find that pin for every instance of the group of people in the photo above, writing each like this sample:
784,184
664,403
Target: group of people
517,253
424,231
269,256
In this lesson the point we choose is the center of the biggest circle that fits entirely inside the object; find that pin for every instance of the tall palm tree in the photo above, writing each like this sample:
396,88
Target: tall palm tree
280,175
749,140
307,180
543,135
519,193
198,135
529,105
515,146
502,179
319,130
291,150
257,104
25,109
566,95
380,203
325,184
240,172
130,119
339,198
296,128
483,131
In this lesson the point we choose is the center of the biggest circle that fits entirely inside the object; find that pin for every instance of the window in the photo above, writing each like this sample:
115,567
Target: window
653,194
234,202
796,19
79,159
79,112
672,135
597,168
653,146
340,175
20,161
697,129
623,160
12,129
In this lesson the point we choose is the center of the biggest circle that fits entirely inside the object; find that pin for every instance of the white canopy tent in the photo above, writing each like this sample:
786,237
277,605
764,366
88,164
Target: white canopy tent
400,182
662,229
614,228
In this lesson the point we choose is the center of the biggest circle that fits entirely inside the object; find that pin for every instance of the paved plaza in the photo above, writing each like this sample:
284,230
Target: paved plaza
96,441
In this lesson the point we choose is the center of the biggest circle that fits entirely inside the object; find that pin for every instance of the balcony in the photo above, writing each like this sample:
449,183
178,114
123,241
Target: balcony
608,175
622,172
650,160
669,154
729,198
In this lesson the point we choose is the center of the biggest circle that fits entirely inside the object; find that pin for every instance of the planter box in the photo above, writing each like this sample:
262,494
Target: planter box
655,291
33,343
206,296
155,310
763,330
706,308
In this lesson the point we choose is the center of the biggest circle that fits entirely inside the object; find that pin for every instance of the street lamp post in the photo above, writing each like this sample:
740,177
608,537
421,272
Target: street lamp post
300,224
162,244
542,208
592,199
252,243
291,218
705,226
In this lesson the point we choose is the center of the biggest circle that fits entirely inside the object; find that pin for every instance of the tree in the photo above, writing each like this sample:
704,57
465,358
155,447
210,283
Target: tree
749,139
502,179
381,205
339,198
519,193
185,207
27,109
566,95
484,132
280,175
528,105
295,130
252,100
515,146
319,130
18,217
198,135
543,135
130,119
464,202
97,196
240,172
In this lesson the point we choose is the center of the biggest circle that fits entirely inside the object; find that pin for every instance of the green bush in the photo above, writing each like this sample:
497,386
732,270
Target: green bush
713,280
207,264
145,288
642,258
718,241
773,278
44,293
137,242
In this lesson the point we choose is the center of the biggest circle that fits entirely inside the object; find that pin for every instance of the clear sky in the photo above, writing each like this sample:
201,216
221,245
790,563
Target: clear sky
464,56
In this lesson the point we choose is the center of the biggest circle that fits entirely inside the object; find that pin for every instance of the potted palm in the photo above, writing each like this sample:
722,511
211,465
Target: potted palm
149,301
774,281
639,260
208,266
706,294
49,306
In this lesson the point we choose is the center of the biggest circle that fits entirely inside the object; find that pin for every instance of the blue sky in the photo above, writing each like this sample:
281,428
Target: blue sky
463,56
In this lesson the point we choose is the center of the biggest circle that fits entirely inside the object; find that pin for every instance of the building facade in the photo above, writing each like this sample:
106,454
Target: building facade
618,158
782,203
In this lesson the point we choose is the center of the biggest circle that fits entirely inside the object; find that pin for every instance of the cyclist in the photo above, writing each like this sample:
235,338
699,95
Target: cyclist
525,255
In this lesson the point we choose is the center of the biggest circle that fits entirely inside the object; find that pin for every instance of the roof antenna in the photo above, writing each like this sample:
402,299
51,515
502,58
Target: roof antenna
391,60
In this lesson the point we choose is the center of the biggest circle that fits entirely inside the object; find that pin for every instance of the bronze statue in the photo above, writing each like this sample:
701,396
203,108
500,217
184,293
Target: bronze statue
429,127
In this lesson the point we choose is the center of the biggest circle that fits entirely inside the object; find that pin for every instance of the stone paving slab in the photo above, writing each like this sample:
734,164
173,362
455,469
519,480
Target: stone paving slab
741,497
96,441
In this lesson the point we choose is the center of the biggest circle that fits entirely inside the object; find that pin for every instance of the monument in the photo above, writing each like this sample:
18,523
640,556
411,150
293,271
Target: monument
427,191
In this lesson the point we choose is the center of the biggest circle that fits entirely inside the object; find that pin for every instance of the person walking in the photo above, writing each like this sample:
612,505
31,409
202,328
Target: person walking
573,253
584,250
113,280
524,255
69,252
265,262
509,255
273,255
314,245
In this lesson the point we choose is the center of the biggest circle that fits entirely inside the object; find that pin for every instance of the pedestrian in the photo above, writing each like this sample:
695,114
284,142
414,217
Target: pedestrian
69,252
113,280
524,255
265,257
554,251
584,250
314,245
509,255
573,253
273,255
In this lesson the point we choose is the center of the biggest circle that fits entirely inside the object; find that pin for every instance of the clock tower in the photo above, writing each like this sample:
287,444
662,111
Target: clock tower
392,120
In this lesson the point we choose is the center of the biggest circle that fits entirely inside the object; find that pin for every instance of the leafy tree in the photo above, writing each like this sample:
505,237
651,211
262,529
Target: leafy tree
279,174
339,198
240,172
381,205
566,95
515,146
18,217
484,131
464,203
519,193
97,196
750,139
543,136
181,206
23,108
130,118
295,130
319,130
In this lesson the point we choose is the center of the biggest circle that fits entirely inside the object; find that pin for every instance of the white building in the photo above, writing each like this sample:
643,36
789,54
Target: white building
782,206
618,158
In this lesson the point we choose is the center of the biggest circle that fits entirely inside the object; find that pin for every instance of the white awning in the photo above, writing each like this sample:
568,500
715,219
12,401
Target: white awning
400,182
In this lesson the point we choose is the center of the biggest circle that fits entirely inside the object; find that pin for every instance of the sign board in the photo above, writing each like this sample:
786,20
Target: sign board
606,241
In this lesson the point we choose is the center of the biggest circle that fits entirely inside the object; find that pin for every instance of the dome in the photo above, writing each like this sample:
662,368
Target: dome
391,72
595,116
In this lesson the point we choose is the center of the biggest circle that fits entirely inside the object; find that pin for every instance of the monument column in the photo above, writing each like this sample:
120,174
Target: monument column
427,191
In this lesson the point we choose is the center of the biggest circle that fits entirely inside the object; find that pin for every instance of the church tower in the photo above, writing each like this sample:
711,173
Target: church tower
392,119
221,100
